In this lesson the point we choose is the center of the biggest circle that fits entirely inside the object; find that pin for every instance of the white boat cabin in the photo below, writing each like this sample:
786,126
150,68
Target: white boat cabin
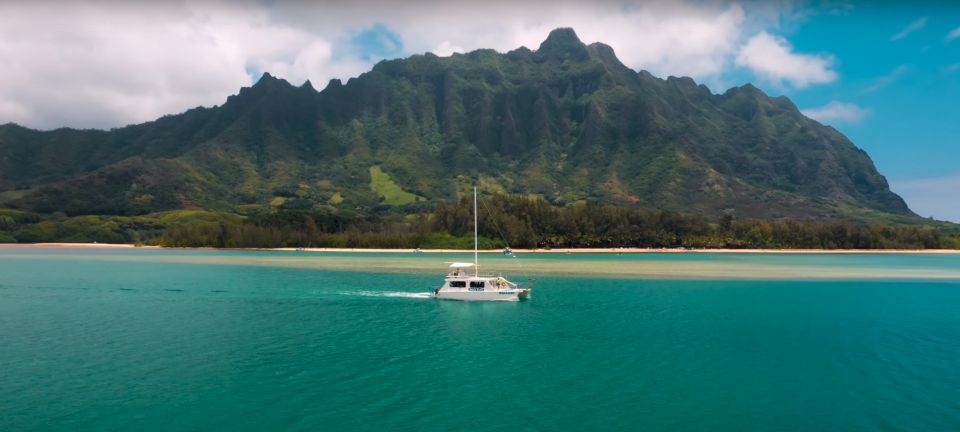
461,284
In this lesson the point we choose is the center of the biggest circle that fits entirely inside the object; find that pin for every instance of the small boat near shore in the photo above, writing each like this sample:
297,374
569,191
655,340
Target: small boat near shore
461,285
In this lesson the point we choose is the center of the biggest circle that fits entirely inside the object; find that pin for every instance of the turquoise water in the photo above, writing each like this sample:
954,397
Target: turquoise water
218,340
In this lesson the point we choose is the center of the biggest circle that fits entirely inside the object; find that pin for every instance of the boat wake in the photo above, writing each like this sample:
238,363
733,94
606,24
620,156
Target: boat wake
404,294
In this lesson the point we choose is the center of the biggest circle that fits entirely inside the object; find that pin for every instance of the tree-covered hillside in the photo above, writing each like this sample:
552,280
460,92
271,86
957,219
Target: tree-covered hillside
567,122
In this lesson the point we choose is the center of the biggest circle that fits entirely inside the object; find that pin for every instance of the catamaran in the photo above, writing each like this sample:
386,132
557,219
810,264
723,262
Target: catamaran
461,285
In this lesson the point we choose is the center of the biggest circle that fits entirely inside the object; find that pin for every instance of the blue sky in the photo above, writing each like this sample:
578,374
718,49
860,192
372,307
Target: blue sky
901,66
886,74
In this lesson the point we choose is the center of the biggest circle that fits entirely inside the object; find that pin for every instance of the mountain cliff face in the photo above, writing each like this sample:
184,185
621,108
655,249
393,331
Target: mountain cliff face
567,121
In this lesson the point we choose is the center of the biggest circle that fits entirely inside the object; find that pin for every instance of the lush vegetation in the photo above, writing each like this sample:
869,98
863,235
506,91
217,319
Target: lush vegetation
517,221
570,147
567,122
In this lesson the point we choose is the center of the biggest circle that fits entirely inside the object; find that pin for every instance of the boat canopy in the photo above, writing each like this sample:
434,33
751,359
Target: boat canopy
460,264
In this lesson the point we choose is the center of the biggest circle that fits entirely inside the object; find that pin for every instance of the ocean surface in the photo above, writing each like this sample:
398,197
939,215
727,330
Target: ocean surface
173,340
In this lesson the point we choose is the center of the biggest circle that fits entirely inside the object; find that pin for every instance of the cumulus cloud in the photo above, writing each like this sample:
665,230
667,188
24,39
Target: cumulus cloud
910,28
446,49
837,112
89,65
663,37
772,58
95,64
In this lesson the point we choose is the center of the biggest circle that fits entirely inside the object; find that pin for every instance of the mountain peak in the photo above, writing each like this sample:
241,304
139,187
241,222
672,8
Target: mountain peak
269,81
266,77
561,35
573,122
563,43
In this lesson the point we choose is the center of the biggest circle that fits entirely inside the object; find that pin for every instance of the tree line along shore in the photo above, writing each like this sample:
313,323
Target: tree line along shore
519,222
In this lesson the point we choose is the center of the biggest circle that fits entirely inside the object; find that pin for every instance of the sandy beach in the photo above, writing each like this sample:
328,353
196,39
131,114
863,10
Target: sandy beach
597,262
517,251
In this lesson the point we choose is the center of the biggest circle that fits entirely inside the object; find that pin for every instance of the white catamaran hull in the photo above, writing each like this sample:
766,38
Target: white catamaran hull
486,295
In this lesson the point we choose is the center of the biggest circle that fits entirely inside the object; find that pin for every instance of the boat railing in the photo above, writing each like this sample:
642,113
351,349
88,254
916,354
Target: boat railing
472,274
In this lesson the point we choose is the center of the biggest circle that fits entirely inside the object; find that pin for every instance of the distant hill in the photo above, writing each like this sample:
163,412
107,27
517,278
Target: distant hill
567,121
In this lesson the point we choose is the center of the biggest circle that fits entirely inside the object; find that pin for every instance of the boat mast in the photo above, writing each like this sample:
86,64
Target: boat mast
476,262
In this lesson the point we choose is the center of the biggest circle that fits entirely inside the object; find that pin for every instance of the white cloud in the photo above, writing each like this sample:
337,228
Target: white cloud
668,38
837,112
446,48
910,28
85,65
95,64
955,33
772,58
890,78
932,197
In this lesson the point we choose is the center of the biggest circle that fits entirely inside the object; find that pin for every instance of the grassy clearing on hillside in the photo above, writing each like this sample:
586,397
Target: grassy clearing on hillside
185,216
12,195
381,184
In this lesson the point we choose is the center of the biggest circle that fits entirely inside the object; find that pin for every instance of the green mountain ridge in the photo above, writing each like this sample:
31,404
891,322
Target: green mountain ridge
567,121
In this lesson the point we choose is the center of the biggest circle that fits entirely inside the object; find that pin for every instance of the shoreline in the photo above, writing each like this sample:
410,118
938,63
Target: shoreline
500,251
